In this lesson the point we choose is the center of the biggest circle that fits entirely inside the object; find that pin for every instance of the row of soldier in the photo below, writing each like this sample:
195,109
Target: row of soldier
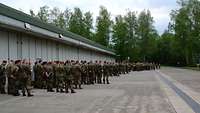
63,76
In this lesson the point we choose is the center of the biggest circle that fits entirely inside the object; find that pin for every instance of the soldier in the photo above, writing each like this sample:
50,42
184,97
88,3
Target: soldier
76,72
68,77
90,73
24,73
2,77
9,69
95,67
59,74
38,71
105,72
83,72
48,69
14,76
99,72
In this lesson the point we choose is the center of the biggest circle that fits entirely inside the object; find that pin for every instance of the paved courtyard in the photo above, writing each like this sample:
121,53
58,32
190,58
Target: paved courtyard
169,90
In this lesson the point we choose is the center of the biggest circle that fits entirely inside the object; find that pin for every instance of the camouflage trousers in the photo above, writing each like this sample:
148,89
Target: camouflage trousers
49,83
59,83
25,85
77,81
2,84
105,78
99,77
13,86
68,85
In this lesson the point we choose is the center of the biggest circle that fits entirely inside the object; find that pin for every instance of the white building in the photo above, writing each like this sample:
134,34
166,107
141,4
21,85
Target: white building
25,37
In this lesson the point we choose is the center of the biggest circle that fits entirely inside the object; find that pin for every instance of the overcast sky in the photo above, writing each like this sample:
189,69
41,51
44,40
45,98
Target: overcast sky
160,9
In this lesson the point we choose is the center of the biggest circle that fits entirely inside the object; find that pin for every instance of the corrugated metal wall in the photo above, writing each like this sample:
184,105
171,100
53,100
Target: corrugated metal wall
15,45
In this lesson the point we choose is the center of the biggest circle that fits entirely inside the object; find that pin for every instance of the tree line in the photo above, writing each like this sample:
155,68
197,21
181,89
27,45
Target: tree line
133,35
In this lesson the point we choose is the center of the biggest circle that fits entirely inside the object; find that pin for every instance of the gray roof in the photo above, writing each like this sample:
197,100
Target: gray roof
18,15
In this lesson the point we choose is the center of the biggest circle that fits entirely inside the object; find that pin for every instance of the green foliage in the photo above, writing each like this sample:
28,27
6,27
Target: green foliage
88,25
103,24
76,24
43,13
57,18
135,38
133,35
186,24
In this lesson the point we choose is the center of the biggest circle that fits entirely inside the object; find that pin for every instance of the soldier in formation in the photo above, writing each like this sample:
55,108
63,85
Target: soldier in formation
63,76
19,77
2,77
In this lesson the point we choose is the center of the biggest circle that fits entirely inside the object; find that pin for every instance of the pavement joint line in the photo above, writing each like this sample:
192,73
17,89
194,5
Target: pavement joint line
193,94
188,99
175,101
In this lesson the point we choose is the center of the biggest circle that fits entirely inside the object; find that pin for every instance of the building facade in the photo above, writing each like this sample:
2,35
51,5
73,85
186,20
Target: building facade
25,37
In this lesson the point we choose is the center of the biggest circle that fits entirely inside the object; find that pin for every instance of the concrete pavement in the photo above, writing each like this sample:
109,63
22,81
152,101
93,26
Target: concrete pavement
137,92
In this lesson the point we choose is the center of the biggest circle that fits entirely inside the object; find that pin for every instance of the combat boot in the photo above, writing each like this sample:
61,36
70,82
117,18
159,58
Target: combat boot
61,91
16,94
80,87
66,91
30,95
72,91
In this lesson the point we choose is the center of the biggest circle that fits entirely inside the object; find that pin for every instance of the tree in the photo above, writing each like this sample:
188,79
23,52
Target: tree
146,34
76,24
132,37
88,25
32,13
43,14
119,36
67,16
186,27
57,18
103,25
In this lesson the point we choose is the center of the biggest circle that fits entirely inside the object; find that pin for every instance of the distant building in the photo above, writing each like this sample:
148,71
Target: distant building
25,37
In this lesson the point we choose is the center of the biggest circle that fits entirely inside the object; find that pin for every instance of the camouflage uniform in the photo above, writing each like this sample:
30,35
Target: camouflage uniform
24,73
99,73
76,73
59,74
90,73
48,69
39,71
2,78
105,73
83,73
11,70
68,78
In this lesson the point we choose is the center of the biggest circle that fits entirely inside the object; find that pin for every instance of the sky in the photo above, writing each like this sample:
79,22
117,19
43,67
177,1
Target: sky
160,9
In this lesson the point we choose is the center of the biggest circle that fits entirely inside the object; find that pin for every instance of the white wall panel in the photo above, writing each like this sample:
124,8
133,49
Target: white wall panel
13,46
32,49
3,45
75,52
87,55
44,50
49,50
81,54
66,52
53,49
25,47
60,52
71,53
38,48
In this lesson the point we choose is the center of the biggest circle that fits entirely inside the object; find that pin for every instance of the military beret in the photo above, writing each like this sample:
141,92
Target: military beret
43,63
17,61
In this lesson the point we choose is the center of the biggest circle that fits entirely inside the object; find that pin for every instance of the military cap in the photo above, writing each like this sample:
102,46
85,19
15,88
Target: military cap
17,61
4,61
43,63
